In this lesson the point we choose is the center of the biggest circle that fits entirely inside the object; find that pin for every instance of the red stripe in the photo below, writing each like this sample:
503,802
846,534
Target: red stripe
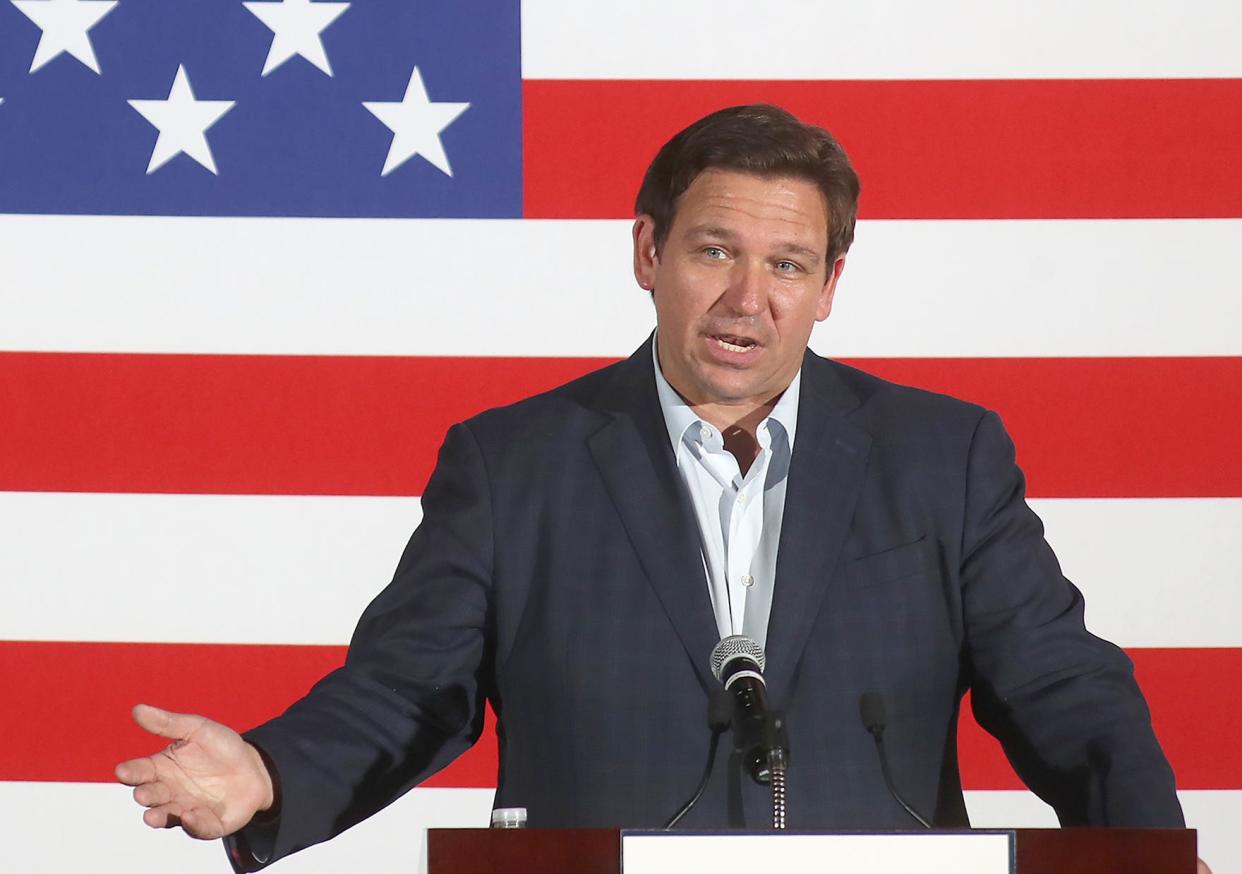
1104,427
1193,705
1096,427
1145,148
67,707
245,424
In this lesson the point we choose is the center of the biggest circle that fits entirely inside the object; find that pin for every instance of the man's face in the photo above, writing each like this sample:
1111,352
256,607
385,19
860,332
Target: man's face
738,285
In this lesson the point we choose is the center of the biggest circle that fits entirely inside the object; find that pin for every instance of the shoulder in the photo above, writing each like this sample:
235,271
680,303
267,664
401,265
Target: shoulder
884,407
572,410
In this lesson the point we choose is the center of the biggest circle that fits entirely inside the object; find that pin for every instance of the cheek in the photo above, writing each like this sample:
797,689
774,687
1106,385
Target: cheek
795,314
676,308
670,319
789,305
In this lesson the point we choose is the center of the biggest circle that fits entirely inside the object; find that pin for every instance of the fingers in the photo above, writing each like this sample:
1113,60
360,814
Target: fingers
153,794
174,726
197,822
136,771
165,812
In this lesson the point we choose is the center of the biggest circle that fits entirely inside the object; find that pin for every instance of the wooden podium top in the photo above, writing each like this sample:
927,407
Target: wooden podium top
598,851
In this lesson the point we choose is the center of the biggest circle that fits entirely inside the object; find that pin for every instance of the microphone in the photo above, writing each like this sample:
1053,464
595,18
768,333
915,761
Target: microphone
719,717
738,662
871,708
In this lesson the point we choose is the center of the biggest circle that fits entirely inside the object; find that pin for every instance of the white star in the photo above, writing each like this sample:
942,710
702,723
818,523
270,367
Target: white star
182,122
416,124
65,25
295,26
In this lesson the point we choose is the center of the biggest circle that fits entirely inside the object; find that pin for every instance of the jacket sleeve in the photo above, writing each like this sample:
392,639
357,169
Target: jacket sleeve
410,697
1063,703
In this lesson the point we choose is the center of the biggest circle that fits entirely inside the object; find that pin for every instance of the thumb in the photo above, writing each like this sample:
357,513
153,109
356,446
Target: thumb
165,723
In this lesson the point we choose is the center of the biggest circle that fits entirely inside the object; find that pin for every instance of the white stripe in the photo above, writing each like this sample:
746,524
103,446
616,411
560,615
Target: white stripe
1155,572
318,286
1006,808
100,566
882,39
1216,814
565,288
108,834
1038,288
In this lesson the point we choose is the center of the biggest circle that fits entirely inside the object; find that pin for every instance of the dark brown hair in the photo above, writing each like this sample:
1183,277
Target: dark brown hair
761,139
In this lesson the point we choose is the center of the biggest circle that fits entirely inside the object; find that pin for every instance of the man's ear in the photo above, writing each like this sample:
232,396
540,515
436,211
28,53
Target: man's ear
830,288
645,258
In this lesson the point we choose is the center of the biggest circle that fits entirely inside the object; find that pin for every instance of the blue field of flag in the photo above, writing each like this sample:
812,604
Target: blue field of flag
180,118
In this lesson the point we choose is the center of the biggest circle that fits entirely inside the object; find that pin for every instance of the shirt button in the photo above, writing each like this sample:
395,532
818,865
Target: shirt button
748,580
741,499
705,433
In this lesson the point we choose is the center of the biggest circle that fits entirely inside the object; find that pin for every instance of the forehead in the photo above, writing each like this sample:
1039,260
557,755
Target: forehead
746,202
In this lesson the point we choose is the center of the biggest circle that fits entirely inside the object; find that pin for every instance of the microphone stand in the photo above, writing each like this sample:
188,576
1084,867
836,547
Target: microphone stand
759,732
764,746
779,767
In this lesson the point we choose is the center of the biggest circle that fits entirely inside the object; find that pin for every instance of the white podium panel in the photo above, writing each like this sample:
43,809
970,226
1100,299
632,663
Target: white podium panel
884,853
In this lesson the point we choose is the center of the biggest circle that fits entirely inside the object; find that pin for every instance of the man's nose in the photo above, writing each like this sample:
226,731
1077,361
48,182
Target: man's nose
747,291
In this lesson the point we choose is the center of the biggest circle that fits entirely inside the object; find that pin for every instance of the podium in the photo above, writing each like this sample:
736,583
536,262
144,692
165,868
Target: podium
598,851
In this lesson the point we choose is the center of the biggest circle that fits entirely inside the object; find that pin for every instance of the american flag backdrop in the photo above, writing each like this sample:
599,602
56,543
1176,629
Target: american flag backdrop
255,257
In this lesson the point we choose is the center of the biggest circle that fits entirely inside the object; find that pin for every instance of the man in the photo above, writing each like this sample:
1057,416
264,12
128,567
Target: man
582,551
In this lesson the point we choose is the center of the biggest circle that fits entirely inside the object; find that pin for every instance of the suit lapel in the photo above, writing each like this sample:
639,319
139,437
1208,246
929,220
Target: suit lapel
826,473
637,464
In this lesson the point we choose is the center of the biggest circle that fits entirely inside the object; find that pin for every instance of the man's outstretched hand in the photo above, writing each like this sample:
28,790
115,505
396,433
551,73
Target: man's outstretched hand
208,780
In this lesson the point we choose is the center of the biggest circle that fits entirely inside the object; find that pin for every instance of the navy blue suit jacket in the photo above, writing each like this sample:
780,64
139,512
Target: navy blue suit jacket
557,573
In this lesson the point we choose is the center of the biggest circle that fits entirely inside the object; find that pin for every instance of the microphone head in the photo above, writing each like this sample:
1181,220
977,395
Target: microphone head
733,647
871,708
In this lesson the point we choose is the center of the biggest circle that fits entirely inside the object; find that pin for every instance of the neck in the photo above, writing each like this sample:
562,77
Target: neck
738,426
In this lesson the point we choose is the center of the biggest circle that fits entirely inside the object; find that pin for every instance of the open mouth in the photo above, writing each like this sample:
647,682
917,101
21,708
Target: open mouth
734,343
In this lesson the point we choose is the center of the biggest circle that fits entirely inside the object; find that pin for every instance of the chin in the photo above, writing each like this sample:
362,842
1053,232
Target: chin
731,392
718,384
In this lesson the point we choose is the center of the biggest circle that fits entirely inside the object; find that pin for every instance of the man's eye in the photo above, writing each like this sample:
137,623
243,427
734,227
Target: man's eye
787,267
714,252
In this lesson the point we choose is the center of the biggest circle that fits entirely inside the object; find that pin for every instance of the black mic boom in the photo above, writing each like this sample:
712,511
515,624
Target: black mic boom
719,717
871,708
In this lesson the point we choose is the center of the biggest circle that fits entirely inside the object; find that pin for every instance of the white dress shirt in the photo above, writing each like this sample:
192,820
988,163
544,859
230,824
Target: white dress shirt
739,517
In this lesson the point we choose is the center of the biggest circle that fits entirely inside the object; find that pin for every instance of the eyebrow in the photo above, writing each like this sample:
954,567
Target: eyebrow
720,233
